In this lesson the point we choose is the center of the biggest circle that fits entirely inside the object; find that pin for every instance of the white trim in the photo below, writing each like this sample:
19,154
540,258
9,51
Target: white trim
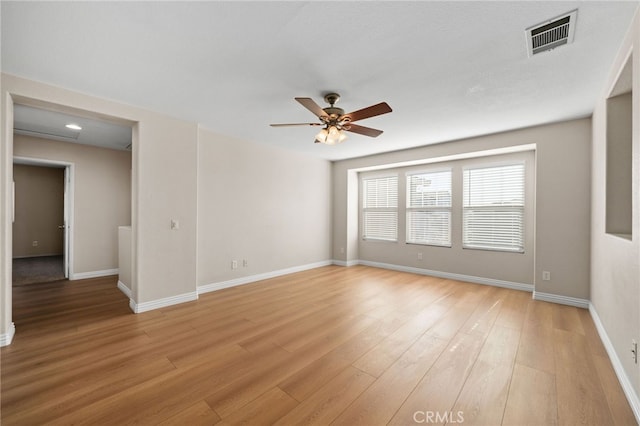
463,156
33,161
259,277
610,90
93,274
627,387
123,288
346,263
162,303
6,338
69,203
563,300
451,276
69,222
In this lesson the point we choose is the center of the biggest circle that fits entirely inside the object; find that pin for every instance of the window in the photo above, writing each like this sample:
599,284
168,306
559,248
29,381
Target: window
429,208
493,208
380,208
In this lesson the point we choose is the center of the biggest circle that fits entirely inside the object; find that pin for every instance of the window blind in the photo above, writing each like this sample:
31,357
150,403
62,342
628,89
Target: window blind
429,208
493,208
380,208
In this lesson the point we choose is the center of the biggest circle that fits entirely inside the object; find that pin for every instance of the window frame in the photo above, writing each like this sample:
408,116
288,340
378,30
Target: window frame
365,210
409,209
519,208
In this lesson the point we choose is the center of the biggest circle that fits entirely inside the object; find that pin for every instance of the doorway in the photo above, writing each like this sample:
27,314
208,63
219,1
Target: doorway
42,226
85,259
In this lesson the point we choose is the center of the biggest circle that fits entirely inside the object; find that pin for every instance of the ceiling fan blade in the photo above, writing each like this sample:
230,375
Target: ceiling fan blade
295,124
312,106
372,111
362,130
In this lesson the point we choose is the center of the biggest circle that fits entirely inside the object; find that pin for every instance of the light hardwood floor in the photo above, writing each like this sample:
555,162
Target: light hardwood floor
333,345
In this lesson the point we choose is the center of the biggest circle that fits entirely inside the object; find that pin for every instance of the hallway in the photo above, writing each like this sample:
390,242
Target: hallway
35,270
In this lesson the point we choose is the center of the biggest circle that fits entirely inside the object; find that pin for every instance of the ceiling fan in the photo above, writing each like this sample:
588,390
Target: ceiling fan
334,120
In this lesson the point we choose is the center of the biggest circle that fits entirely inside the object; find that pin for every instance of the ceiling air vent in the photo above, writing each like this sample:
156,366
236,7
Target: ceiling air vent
551,34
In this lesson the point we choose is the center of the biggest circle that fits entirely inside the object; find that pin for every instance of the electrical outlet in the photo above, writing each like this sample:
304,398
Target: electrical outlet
175,224
34,243
234,264
546,276
341,250
245,263
419,256
634,350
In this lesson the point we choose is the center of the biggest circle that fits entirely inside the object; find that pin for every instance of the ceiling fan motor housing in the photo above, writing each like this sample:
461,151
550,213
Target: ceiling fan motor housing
333,111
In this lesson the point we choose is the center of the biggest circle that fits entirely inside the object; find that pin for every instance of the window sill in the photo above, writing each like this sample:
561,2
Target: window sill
493,249
623,236
427,244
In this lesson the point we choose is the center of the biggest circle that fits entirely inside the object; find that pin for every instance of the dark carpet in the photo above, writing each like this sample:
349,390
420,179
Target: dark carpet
34,270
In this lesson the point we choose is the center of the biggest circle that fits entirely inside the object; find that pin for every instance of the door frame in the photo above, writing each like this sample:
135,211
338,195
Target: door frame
68,203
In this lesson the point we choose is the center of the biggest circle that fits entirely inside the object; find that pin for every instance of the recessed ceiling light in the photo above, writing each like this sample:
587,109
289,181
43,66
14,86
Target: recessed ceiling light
73,126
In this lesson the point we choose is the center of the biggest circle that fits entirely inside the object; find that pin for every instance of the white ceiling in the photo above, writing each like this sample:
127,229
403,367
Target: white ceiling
449,70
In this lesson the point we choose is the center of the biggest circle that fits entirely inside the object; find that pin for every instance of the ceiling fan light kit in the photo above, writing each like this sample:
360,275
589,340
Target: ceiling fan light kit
335,121
331,136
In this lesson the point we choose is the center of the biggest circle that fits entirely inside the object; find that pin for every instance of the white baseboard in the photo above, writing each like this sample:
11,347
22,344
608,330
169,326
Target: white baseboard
162,303
563,300
206,288
93,274
345,263
189,297
123,288
627,387
7,338
451,276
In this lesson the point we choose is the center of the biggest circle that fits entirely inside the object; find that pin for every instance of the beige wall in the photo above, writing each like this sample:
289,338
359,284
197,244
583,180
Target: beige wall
167,190
562,201
513,267
124,256
265,205
39,210
164,172
615,261
102,197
